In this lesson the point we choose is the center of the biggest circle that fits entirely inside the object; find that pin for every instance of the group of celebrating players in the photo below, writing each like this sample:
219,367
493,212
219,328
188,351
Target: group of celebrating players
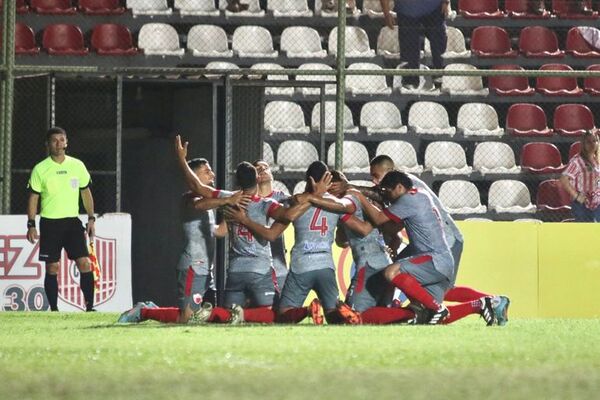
259,288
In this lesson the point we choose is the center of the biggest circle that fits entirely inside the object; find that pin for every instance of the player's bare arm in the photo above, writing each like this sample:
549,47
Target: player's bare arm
238,199
32,205
341,240
289,214
191,179
268,233
88,204
221,230
375,215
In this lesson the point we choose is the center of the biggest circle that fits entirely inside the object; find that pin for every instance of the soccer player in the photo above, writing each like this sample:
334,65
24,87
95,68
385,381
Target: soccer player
380,166
58,181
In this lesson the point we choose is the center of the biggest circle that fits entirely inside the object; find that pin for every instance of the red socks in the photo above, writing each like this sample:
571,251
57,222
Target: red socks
462,294
460,311
414,291
263,315
161,314
292,316
219,315
384,315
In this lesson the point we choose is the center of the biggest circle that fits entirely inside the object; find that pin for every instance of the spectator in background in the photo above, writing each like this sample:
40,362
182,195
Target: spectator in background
418,18
582,180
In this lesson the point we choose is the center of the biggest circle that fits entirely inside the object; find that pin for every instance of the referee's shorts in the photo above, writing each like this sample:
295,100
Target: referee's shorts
56,234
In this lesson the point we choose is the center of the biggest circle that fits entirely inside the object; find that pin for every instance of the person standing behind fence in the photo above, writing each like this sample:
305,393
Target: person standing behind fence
58,181
582,180
418,18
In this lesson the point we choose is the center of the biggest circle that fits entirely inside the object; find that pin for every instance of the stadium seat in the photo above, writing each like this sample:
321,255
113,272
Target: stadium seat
296,155
403,153
591,85
487,9
455,45
577,46
301,42
525,119
387,42
196,8
573,119
381,117
268,156
519,9
64,40
461,197
427,117
425,88
320,12
447,158
273,90
278,185
552,196
463,85
494,158
208,41
216,65
491,41
366,84
349,126
539,41
567,9
299,188
530,220
478,119
149,7
160,40
357,43
101,7
509,196
253,9
284,117
356,157
24,40
112,40
55,7
508,85
329,88
479,219
289,8
574,149
253,41
557,85
372,8
541,158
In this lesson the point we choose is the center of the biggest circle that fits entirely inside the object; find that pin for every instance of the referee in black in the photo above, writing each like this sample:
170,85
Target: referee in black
57,181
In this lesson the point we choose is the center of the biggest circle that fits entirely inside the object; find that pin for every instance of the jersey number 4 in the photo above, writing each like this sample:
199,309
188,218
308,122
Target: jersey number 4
319,223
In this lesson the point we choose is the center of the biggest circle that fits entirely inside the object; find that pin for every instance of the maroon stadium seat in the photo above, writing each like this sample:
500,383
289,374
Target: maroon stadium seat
112,40
539,41
525,119
557,85
552,196
491,41
22,7
64,39
573,119
577,45
520,9
25,40
592,85
541,158
53,7
507,85
101,7
479,9
567,9
574,149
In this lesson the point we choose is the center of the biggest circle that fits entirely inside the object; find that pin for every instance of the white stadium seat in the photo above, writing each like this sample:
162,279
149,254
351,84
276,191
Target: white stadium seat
268,155
510,196
425,88
253,41
253,10
403,154
197,8
273,90
455,47
289,8
387,42
446,158
463,85
461,197
299,188
478,119
332,14
301,42
372,8
355,157
296,155
366,84
329,88
357,42
284,117
221,65
427,117
278,185
208,41
494,158
349,126
381,117
160,40
149,7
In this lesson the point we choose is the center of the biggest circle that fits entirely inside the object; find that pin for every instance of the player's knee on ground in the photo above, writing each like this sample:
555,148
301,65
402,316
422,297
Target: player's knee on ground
83,264
391,271
185,314
52,269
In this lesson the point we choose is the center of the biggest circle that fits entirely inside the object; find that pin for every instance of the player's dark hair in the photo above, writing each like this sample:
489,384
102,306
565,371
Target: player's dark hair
395,177
316,170
337,176
255,162
55,130
382,160
245,174
196,163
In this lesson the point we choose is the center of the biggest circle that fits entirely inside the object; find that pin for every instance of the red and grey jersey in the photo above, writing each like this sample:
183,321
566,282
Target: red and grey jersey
585,178
424,228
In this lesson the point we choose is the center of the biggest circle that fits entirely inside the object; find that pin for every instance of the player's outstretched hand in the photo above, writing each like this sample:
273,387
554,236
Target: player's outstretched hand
180,149
322,186
239,199
235,214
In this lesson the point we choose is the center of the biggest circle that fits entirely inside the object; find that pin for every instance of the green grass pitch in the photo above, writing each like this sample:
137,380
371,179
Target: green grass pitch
87,356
